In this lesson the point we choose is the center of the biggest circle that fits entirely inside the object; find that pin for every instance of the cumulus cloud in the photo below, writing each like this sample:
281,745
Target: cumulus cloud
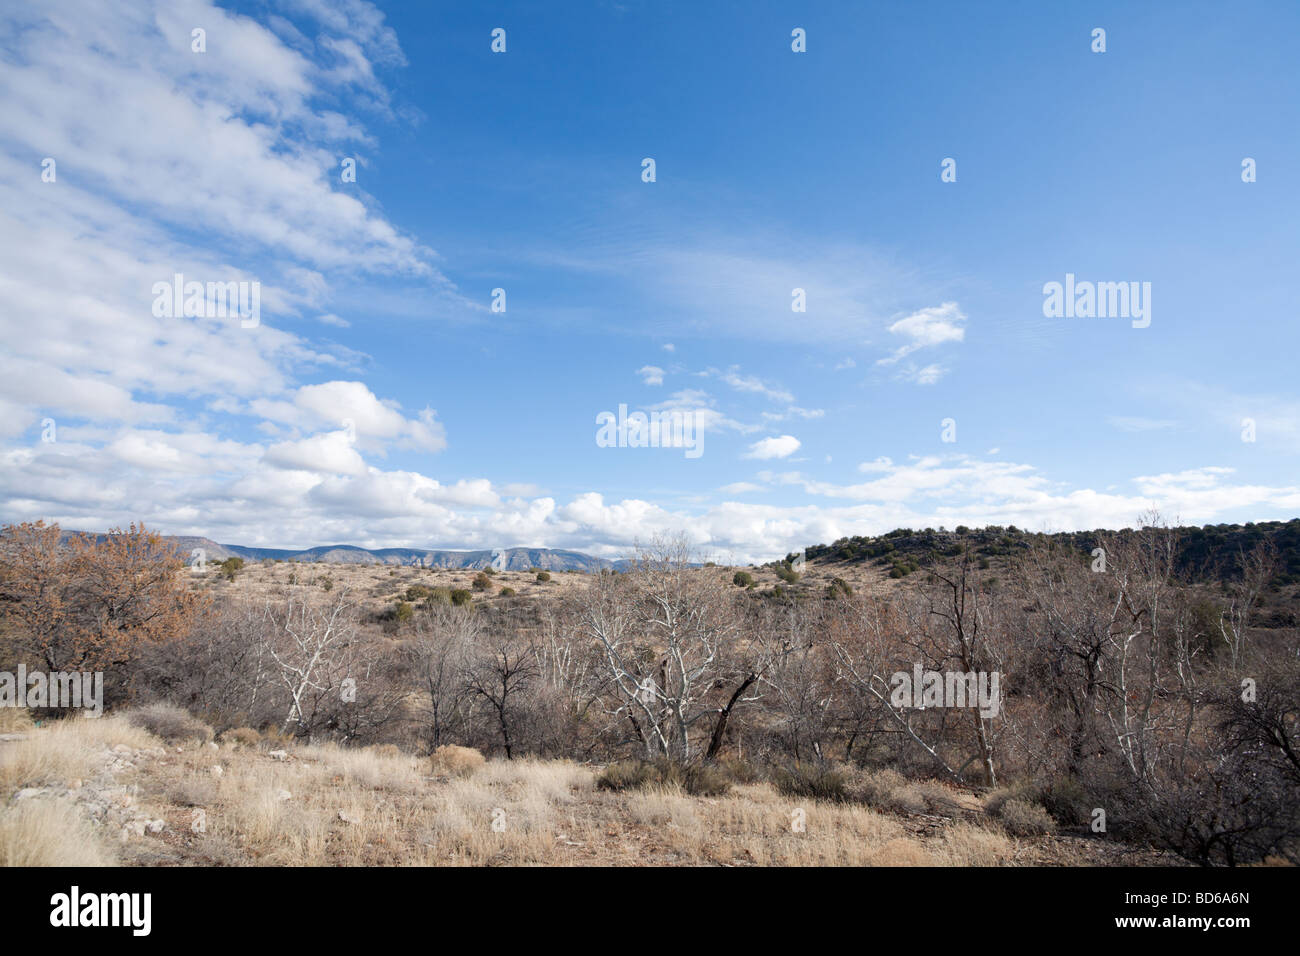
651,374
780,447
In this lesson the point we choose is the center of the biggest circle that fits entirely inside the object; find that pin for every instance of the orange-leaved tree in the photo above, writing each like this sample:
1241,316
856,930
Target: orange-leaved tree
85,602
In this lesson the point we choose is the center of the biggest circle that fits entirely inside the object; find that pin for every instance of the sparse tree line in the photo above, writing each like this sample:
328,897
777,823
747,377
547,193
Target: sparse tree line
1123,689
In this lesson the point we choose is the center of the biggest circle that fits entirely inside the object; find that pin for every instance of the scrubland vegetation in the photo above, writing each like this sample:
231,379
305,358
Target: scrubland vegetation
673,713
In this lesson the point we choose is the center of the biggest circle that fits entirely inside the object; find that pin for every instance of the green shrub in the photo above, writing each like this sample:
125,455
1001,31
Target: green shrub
742,579
460,596
481,582
507,592
543,577
838,588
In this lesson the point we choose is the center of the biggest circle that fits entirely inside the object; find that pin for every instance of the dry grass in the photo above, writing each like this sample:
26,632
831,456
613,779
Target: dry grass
49,833
66,750
14,720
331,806
457,761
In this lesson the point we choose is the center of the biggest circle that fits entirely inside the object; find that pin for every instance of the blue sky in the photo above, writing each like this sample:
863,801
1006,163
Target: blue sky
522,171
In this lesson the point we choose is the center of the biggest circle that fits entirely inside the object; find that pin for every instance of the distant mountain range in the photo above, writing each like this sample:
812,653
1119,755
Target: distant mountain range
515,559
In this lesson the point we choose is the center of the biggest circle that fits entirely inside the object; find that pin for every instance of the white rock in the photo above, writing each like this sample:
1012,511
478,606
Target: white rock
284,795
156,826
121,749
217,771
134,828
349,817
27,793
212,745
278,754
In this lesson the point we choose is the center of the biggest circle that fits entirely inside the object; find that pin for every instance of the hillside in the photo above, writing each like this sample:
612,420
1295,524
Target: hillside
516,559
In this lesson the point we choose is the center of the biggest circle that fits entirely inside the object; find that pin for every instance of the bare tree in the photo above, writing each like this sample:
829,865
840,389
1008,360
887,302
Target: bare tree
304,635
664,628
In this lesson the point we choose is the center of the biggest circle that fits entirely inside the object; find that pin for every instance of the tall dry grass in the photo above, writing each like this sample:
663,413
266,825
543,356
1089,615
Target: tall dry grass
49,833
66,750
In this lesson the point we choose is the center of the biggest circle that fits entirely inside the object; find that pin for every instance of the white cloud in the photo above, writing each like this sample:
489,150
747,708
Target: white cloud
926,328
780,447
651,374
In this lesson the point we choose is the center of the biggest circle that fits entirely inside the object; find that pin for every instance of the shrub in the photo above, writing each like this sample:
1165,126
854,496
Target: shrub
742,579
701,780
241,737
231,567
816,781
403,612
887,790
170,723
543,577
457,761
838,588
1066,801
481,582
507,592
739,770
1022,818
460,596
787,574
625,775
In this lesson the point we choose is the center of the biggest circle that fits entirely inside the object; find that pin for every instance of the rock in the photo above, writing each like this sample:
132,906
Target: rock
156,826
217,771
349,817
212,745
284,794
134,828
121,749
6,737
75,785
278,754
27,793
